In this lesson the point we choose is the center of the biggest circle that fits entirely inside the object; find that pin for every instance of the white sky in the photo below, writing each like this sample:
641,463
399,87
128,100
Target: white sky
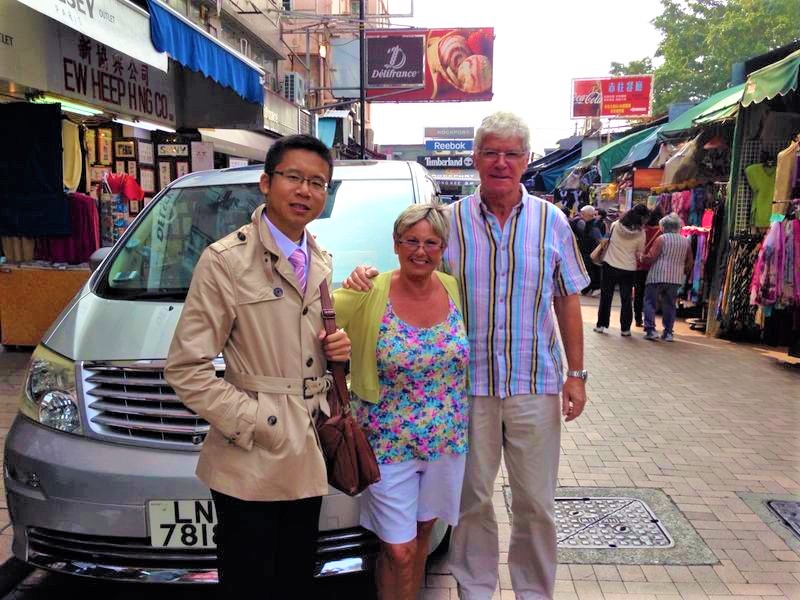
539,47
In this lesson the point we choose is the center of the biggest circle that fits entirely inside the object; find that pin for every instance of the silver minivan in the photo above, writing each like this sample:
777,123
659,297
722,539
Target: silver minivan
100,461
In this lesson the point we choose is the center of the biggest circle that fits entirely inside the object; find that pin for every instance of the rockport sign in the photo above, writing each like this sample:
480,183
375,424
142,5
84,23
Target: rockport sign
446,162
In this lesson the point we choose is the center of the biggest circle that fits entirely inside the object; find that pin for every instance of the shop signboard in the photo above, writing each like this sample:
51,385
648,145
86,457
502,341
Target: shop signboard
453,133
645,179
628,96
456,65
448,145
446,162
280,115
120,25
89,71
396,60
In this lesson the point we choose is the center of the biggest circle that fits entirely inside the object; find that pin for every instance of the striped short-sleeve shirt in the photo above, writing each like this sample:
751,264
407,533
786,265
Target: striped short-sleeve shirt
508,277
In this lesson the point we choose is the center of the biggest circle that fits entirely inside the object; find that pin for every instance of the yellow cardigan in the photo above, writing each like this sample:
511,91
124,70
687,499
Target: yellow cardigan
360,314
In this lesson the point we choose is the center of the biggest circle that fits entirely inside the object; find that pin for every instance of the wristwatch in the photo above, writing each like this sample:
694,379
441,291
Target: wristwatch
582,374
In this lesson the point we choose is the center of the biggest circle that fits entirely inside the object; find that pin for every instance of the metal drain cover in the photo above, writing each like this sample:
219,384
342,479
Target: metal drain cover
609,522
789,512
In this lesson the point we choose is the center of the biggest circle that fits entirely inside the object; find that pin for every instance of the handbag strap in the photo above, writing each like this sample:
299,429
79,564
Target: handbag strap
340,405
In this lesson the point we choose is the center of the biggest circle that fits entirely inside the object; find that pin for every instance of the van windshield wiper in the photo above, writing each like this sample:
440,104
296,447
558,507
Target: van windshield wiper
156,295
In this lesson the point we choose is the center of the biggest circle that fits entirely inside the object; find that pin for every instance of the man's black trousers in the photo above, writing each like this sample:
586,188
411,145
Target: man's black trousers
266,547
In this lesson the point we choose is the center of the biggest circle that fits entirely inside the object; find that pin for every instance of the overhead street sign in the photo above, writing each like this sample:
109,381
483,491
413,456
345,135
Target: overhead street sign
453,133
446,162
448,145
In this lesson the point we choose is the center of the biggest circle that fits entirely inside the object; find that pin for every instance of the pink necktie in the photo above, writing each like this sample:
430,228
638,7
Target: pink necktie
298,260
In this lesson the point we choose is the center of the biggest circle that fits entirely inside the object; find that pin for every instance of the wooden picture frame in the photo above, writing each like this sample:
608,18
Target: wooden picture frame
125,149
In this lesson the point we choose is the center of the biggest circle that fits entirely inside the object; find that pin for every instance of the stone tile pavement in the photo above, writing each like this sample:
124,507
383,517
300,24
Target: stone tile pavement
701,419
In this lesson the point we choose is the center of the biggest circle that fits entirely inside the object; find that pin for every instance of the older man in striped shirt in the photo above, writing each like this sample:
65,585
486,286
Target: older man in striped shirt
520,271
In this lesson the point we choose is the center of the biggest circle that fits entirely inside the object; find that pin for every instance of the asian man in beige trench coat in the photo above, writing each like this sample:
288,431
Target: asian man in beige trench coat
255,297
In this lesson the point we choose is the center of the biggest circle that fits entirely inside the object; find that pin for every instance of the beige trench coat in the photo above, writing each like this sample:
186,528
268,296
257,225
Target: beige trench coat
244,301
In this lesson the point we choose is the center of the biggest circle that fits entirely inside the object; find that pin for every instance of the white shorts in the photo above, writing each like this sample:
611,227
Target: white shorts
412,491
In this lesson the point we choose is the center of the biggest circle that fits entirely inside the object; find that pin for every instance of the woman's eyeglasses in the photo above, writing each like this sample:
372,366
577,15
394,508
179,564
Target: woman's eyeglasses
414,244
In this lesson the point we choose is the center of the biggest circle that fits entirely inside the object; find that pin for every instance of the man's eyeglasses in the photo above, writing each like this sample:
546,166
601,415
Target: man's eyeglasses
512,155
317,184
414,244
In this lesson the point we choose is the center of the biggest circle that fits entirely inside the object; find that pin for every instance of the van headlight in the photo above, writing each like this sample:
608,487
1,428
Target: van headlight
50,396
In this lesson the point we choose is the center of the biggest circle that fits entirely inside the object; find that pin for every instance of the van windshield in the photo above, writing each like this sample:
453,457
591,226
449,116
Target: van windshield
158,258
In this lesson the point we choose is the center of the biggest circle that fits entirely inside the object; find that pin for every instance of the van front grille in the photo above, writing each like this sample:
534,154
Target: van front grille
133,403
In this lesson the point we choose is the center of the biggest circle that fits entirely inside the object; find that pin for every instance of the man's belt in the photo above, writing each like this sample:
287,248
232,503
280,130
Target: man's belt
308,387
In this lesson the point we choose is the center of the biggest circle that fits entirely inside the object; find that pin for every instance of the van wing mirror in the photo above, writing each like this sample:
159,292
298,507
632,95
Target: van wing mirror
97,257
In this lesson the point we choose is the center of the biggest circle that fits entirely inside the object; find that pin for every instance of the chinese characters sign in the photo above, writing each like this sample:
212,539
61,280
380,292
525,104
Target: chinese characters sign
92,71
627,96
430,65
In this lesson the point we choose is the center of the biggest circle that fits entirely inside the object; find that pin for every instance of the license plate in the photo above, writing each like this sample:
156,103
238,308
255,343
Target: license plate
182,523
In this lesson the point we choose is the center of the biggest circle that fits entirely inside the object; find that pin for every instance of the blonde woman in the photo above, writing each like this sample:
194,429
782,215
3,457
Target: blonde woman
409,371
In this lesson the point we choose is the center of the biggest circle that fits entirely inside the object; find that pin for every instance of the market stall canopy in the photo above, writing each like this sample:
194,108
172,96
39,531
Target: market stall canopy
709,110
777,79
192,47
639,152
241,143
546,171
609,155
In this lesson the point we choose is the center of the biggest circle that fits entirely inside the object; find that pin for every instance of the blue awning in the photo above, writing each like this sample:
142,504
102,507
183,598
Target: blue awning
326,130
198,51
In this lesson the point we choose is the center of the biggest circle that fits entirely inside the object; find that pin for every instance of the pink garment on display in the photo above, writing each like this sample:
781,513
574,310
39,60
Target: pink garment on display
84,239
708,218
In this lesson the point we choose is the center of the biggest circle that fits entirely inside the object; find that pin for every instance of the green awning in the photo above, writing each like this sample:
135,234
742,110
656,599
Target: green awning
639,151
609,155
777,79
726,108
683,125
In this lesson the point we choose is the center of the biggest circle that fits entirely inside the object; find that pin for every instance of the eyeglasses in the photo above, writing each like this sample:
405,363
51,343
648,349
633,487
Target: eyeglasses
317,184
494,155
413,245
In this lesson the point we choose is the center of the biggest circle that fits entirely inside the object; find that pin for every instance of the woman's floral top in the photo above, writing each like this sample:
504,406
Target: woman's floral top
423,412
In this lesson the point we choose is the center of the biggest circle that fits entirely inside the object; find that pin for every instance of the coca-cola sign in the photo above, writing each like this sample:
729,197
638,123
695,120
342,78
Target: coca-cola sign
627,96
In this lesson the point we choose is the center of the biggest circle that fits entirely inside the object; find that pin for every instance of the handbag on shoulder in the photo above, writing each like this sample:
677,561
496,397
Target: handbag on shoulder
598,255
349,458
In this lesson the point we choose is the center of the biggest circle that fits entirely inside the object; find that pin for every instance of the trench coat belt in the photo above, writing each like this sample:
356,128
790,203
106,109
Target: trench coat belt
311,389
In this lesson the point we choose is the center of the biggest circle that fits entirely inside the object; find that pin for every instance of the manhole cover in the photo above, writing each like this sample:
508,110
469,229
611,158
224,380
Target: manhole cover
609,522
789,512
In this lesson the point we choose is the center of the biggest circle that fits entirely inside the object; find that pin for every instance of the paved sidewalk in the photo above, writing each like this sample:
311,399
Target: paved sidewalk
701,419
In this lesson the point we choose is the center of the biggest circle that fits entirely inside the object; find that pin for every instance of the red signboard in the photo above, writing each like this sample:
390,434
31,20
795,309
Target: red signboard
627,96
457,65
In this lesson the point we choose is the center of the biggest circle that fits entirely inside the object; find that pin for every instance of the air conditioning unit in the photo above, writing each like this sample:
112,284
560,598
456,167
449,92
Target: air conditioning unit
294,88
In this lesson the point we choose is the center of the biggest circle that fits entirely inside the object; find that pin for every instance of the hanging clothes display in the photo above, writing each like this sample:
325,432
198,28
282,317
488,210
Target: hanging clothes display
71,157
785,174
776,276
736,315
761,178
82,242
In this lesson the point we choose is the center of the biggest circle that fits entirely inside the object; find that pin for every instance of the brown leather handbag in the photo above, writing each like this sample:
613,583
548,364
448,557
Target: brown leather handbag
349,458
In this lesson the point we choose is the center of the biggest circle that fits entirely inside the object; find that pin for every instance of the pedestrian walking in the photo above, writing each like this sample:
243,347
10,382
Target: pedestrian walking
651,230
625,243
518,266
255,297
588,235
671,258
409,372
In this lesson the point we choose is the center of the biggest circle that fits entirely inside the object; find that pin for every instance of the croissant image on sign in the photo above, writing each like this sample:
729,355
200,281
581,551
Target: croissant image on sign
458,66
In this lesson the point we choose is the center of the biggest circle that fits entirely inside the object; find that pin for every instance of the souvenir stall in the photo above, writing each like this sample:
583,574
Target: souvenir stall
758,286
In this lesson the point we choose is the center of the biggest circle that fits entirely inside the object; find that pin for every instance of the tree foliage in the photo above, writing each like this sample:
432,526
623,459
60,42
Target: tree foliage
635,67
702,39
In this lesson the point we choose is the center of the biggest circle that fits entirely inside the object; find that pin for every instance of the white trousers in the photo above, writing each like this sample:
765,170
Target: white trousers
527,431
